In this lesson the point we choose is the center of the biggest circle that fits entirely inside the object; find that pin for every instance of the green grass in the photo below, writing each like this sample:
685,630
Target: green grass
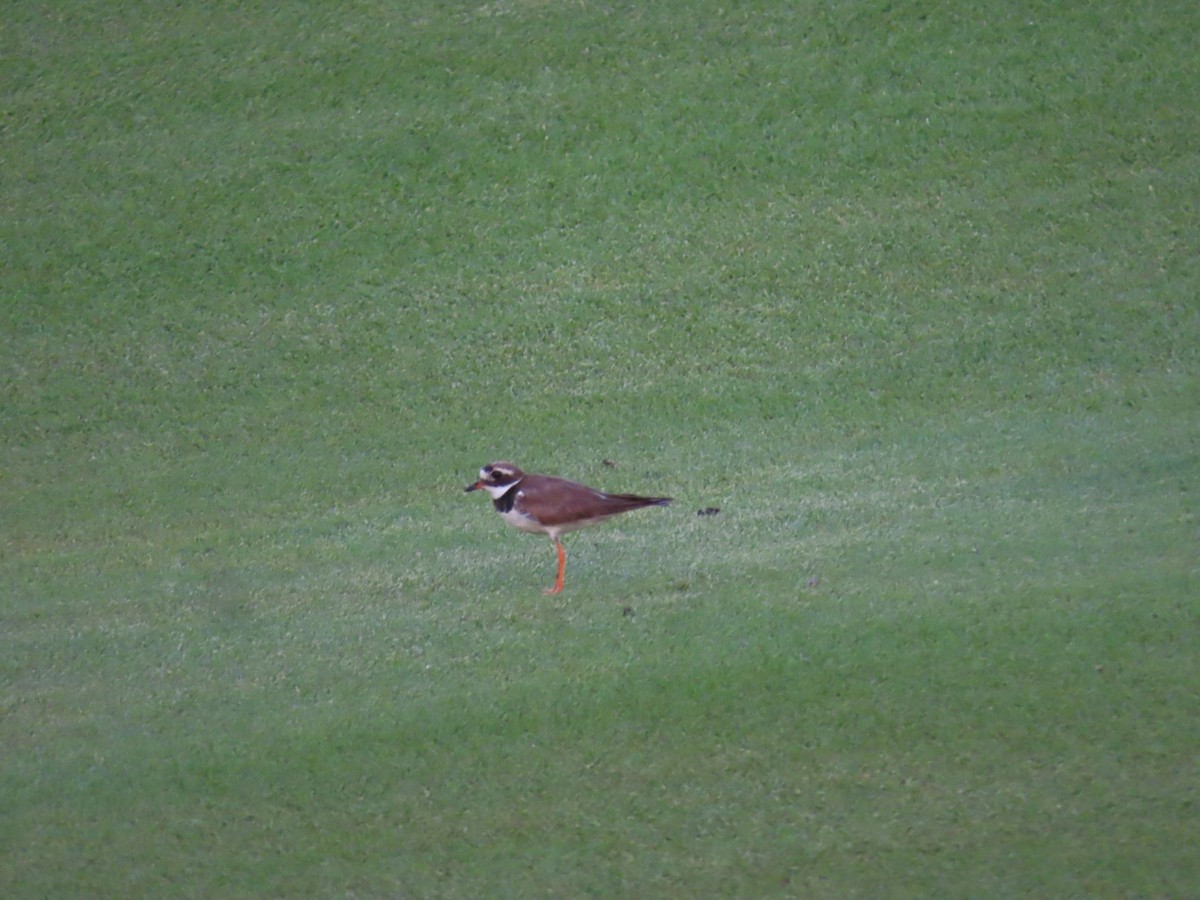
910,293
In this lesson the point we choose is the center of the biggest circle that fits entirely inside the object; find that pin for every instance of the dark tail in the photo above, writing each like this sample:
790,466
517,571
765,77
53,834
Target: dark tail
638,500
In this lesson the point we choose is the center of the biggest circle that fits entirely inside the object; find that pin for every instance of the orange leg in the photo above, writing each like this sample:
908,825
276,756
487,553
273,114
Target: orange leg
562,568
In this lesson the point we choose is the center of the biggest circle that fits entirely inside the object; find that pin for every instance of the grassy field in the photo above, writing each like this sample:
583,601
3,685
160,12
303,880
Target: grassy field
910,292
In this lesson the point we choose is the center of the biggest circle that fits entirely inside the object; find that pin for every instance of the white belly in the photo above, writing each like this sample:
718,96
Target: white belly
524,523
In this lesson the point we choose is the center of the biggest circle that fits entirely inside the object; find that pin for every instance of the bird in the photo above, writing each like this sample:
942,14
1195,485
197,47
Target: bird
552,506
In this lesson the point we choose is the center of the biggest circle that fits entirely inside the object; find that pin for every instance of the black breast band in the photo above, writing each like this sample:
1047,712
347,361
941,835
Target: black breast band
504,503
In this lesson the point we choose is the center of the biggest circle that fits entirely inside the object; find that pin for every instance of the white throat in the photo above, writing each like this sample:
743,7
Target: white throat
498,490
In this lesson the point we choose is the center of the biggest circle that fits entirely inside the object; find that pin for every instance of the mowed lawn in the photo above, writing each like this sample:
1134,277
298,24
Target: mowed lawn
908,294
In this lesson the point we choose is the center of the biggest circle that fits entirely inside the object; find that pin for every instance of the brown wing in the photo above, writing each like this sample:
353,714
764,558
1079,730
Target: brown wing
557,502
